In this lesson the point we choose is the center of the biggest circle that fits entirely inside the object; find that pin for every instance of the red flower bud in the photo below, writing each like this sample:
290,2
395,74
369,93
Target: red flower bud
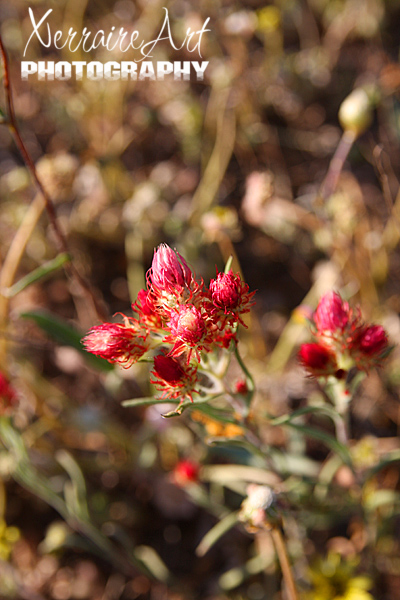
168,369
186,472
241,387
169,275
318,360
372,340
226,291
187,331
230,295
173,379
116,343
332,314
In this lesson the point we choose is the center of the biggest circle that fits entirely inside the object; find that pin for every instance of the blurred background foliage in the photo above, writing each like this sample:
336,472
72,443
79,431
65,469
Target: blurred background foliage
233,165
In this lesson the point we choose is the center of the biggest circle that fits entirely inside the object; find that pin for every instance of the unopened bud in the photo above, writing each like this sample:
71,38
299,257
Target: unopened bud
355,112
258,509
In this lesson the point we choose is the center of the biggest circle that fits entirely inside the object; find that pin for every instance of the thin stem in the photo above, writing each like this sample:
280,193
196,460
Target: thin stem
341,429
284,562
49,204
244,368
15,252
336,165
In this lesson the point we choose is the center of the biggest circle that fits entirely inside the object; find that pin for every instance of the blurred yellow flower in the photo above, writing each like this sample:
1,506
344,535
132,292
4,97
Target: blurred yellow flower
332,578
8,537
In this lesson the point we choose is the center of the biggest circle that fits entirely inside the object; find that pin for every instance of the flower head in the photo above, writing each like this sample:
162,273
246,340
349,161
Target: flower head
342,340
369,346
116,342
171,281
174,380
230,295
188,330
332,314
372,340
318,360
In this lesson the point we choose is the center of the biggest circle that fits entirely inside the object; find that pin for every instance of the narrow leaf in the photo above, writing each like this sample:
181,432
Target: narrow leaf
145,401
326,439
321,410
65,334
216,533
41,272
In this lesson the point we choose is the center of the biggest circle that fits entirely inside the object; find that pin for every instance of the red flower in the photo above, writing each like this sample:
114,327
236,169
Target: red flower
372,340
149,318
123,344
186,472
332,314
187,330
230,295
369,346
318,360
171,282
169,269
175,381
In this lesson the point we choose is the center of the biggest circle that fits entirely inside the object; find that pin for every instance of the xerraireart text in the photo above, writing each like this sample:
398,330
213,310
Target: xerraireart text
118,41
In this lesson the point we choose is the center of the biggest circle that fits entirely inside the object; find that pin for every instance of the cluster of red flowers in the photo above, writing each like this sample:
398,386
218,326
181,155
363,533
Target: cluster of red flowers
343,340
181,316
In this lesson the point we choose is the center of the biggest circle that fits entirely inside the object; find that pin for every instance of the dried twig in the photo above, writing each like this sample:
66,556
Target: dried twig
49,204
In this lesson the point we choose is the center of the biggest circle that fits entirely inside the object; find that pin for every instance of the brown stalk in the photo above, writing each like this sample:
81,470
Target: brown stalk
49,204
284,562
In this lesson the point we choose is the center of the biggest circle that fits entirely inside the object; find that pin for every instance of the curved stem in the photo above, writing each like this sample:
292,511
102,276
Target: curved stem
245,370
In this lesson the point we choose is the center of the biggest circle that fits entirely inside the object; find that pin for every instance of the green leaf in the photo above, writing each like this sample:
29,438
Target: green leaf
65,334
215,413
216,533
326,439
236,576
195,404
321,410
41,272
144,401
389,459
152,561
239,442
228,264
227,473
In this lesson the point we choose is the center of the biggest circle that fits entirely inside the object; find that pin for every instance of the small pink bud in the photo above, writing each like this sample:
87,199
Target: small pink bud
332,314
169,270
116,343
318,360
